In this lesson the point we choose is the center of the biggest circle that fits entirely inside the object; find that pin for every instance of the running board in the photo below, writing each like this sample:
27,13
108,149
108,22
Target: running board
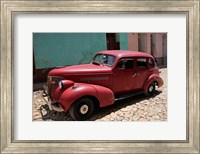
123,96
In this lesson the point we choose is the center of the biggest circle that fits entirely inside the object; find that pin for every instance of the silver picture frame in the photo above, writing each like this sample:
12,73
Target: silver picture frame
189,7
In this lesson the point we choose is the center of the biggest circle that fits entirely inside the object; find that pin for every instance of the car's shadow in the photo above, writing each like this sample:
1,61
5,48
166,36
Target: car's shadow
51,115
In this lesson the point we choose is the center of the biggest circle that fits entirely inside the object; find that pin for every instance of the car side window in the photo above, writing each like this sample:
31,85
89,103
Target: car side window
151,63
125,64
141,63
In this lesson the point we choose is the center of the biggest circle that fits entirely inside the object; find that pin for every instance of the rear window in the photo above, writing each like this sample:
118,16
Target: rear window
151,62
141,63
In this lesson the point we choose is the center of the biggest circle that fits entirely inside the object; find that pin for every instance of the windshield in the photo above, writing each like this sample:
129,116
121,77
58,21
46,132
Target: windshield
104,59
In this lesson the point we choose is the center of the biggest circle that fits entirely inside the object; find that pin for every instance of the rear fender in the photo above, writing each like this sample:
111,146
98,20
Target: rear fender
104,95
152,78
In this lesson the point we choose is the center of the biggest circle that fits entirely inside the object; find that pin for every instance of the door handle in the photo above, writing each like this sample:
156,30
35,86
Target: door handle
136,74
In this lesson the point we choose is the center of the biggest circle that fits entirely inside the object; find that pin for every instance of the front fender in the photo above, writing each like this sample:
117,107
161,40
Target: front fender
152,78
104,95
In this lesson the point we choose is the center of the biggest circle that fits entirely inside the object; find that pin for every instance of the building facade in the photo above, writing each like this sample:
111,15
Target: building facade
52,50
152,43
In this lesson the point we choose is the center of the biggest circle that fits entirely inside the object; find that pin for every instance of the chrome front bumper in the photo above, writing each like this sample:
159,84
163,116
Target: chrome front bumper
57,108
52,106
45,90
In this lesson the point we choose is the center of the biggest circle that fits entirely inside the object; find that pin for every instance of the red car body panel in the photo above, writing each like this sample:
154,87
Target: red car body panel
84,69
150,79
78,90
103,82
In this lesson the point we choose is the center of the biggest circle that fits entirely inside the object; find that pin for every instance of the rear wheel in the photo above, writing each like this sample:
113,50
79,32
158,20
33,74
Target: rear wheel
81,109
151,89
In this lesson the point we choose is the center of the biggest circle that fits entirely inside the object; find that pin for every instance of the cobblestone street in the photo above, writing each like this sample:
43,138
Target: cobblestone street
137,108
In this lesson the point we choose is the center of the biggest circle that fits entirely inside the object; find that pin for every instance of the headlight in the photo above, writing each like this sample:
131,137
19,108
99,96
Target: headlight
60,84
53,80
50,78
64,84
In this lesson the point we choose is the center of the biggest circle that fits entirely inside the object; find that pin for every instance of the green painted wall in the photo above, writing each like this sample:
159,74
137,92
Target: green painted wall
60,49
123,39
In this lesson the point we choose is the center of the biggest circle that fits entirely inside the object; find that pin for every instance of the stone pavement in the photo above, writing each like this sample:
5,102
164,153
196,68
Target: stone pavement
137,108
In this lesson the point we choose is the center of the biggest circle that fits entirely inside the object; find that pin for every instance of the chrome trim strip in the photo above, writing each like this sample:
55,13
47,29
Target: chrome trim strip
94,78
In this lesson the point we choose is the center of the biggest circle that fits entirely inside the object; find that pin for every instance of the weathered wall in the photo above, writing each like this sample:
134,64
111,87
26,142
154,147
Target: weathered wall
152,43
123,40
133,41
60,49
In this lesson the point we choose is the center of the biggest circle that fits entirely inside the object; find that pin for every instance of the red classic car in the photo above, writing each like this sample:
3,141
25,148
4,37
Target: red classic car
110,76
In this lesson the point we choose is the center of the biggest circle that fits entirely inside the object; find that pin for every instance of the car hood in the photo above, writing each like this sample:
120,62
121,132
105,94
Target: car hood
84,69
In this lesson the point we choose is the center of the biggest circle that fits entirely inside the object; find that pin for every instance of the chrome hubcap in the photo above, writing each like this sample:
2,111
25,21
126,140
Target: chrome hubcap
84,109
150,88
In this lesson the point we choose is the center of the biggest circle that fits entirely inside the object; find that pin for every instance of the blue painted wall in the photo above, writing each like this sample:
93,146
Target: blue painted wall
60,49
123,39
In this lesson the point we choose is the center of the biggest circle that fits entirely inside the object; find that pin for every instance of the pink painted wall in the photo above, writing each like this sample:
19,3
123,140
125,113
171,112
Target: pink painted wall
165,44
133,41
152,43
148,43
145,42
158,45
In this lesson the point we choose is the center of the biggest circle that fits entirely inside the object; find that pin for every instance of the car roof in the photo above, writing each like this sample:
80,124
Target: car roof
125,53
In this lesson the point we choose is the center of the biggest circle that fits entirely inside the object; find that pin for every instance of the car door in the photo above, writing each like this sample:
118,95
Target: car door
141,72
123,76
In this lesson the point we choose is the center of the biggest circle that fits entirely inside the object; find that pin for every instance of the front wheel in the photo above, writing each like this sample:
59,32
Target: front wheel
82,109
151,89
